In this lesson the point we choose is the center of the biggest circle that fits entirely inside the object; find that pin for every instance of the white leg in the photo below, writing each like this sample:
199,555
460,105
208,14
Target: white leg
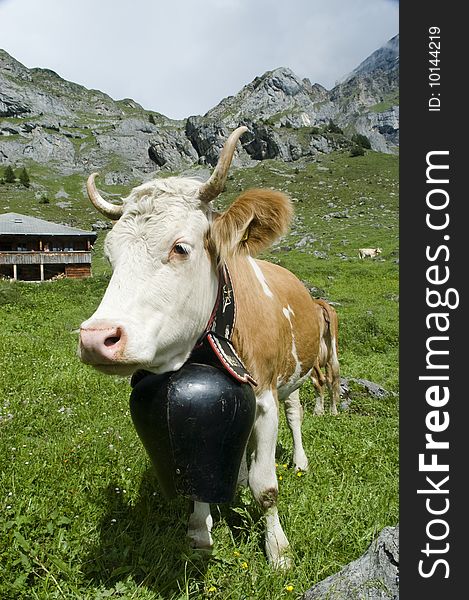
243,472
333,378
200,526
276,542
263,479
319,408
294,414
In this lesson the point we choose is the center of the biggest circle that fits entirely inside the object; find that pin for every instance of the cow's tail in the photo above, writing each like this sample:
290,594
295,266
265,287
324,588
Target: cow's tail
332,378
330,317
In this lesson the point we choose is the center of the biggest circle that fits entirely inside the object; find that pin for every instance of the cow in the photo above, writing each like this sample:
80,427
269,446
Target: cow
165,248
369,252
327,359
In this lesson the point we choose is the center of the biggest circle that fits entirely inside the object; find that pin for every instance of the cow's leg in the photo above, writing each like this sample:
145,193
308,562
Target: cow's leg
243,474
318,380
294,414
333,379
200,526
263,479
319,407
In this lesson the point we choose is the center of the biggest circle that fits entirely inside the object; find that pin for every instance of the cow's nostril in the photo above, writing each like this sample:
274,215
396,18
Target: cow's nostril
111,341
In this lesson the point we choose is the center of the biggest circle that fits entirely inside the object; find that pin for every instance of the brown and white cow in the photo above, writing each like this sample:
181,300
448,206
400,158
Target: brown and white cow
327,359
164,249
369,252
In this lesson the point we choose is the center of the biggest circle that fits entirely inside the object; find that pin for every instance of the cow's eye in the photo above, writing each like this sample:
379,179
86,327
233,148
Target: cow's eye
181,249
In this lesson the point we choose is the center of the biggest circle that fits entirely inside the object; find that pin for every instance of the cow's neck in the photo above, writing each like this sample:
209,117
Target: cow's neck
215,345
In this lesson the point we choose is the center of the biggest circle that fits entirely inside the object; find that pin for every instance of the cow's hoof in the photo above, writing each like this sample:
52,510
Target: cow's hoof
200,540
301,465
283,563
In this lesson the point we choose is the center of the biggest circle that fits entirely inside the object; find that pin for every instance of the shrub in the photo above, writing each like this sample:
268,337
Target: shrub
333,128
357,151
361,140
24,177
9,175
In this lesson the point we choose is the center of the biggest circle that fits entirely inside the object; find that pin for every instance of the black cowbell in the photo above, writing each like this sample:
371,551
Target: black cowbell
194,424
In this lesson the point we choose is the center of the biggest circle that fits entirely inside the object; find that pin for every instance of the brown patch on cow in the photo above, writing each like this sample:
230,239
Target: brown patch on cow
252,223
211,249
268,498
262,334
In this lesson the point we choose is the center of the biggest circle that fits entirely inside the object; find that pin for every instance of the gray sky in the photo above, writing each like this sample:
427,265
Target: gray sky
181,57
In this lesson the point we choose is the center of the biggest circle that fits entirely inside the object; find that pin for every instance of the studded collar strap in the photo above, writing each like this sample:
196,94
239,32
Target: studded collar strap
216,340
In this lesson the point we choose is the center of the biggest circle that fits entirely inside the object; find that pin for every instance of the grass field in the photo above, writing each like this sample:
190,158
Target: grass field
81,515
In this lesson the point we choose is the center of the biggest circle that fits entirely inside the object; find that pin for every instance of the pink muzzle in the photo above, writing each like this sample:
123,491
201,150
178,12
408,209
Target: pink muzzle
103,342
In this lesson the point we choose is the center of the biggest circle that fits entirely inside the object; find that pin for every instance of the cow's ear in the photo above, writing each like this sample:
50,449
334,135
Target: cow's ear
252,223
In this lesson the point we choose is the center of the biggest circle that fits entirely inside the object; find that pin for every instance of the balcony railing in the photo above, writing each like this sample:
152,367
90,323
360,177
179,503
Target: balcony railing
68,257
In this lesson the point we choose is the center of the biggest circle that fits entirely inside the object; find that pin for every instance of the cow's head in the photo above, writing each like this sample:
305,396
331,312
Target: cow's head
164,249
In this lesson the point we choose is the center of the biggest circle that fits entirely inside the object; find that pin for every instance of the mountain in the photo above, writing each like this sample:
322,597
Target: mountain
49,121
368,98
385,59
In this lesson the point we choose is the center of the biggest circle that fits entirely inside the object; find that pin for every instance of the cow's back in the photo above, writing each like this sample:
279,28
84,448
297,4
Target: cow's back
277,324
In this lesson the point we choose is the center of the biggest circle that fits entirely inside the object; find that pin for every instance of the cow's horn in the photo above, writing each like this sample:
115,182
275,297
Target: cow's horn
113,211
214,186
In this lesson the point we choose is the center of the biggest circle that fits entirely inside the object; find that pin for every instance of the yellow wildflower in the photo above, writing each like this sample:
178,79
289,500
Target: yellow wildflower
289,588
244,565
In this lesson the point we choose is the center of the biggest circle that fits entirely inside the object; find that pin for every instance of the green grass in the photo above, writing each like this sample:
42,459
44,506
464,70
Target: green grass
81,515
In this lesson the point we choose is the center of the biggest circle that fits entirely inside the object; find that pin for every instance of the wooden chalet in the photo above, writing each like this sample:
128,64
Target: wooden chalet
32,249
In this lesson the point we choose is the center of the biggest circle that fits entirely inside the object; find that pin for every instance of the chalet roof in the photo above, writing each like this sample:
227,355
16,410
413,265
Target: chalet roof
16,224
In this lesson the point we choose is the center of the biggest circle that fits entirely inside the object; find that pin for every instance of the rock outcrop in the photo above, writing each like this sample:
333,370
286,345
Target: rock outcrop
373,576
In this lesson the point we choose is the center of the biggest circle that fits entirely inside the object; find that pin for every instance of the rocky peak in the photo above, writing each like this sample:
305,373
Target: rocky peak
369,97
384,59
264,98
279,80
9,66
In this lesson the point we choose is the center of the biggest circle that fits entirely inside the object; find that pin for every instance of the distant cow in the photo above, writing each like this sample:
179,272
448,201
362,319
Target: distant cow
327,360
371,252
166,250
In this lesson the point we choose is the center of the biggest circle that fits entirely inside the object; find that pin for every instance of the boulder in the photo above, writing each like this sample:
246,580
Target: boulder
371,388
373,576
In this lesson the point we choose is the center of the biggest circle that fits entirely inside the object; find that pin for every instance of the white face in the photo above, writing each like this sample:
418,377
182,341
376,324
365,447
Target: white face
162,290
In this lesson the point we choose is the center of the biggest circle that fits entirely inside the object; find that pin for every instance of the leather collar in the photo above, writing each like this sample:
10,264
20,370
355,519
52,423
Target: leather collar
216,342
